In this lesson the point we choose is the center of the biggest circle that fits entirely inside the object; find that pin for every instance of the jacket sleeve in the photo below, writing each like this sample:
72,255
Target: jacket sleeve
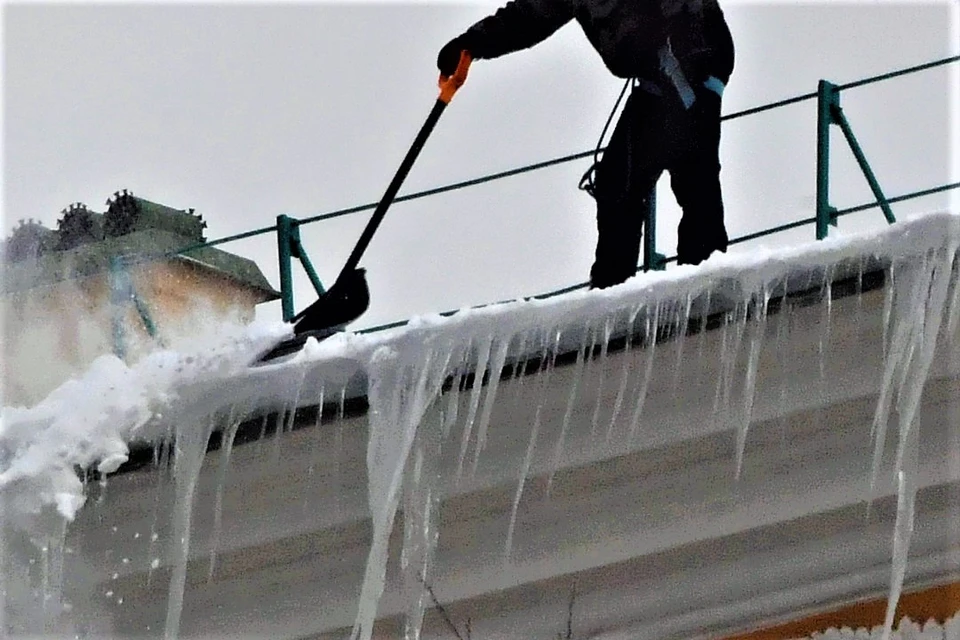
720,39
519,24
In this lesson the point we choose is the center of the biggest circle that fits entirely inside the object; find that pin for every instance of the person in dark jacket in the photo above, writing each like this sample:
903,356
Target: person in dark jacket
680,54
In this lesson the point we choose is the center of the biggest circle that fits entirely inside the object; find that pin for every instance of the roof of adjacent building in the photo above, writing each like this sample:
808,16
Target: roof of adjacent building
133,230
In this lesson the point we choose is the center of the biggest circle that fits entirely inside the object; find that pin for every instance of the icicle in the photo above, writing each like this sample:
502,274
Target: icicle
404,382
823,336
729,351
102,494
546,371
624,374
342,404
191,443
337,446
287,416
783,330
458,382
162,475
295,404
226,448
496,370
917,320
888,308
281,419
908,302
682,327
718,390
953,314
571,401
592,362
263,428
483,357
759,328
315,435
601,362
315,449
703,323
419,530
926,338
859,295
903,531
650,339
520,365
931,282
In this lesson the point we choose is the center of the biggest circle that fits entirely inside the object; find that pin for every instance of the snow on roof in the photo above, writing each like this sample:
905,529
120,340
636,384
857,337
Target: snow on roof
89,420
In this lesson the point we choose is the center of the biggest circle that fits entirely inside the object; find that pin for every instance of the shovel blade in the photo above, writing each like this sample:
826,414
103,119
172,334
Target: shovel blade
291,346
340,305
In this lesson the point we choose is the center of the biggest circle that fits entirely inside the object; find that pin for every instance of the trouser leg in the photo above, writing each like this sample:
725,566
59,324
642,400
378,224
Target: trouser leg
625,178
695,180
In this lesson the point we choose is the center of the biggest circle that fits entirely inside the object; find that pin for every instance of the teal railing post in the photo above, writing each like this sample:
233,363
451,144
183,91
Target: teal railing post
651,259
118,296
297,250
285,225
841,121
826,215
123,292
146,318
288,247
830,112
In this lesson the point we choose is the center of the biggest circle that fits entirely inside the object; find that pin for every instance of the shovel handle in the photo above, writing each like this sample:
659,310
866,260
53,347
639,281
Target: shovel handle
450,84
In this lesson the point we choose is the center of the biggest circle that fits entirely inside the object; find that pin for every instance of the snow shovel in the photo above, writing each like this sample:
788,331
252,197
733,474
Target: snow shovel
349,296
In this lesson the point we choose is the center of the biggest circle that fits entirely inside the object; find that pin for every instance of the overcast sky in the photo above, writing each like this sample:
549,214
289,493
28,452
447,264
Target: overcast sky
246,111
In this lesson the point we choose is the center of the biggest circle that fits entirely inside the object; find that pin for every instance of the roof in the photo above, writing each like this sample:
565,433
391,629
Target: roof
138,247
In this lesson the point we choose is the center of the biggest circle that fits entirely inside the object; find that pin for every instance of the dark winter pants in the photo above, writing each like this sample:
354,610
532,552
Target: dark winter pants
655,133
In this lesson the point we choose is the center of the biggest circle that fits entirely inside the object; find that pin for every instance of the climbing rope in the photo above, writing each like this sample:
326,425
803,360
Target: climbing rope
588,181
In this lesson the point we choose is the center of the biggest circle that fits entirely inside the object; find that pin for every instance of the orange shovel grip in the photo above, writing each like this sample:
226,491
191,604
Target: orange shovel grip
450,84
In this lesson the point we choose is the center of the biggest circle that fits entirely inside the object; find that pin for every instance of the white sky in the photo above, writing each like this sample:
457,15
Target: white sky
245,111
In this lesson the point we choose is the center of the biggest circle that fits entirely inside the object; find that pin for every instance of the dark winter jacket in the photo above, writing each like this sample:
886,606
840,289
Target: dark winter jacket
628,34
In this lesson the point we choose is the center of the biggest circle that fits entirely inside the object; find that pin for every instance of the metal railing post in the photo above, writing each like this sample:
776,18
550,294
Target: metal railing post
830,112
651,259
146,318
299,252
285,224
118,296
841,121
288,247
826,215
122,292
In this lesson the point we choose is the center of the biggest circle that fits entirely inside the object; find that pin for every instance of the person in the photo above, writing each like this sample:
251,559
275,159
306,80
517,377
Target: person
680,55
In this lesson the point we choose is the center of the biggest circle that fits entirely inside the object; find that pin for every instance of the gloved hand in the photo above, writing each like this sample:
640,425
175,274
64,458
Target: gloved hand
449,56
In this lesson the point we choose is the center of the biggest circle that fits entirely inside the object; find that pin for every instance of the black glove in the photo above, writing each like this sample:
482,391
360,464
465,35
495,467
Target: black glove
449,56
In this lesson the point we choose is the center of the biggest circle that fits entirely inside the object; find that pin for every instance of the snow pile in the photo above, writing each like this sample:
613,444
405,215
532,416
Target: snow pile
84,425
88,422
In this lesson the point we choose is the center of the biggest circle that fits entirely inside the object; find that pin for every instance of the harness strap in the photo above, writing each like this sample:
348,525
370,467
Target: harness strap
671,68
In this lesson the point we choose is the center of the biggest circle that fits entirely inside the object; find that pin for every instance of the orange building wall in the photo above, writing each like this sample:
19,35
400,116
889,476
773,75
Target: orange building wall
937,603
55,332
